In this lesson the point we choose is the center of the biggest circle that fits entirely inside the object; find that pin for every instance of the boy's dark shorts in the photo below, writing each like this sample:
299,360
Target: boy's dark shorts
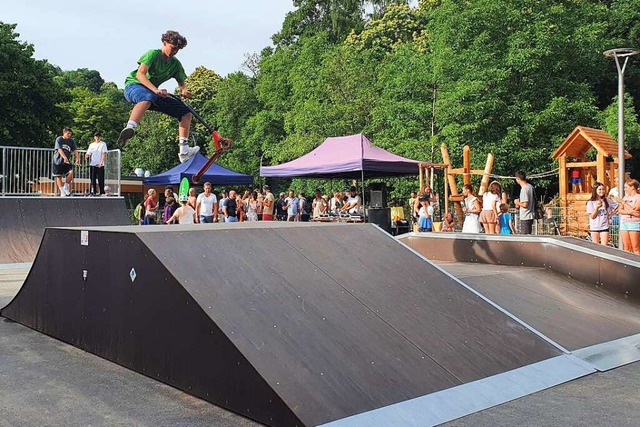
135,93
62,169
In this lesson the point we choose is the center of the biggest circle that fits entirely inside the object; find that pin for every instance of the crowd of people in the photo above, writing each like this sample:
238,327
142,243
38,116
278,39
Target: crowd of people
256,205
490,213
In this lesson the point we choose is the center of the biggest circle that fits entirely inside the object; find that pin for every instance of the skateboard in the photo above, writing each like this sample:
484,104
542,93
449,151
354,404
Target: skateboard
220,143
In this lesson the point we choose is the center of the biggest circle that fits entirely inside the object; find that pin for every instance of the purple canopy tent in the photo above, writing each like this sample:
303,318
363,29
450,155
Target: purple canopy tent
350,156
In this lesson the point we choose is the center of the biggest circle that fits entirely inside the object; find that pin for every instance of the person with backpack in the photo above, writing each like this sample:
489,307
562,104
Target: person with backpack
139,212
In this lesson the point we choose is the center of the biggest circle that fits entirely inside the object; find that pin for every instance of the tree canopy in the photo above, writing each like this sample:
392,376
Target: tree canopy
503,77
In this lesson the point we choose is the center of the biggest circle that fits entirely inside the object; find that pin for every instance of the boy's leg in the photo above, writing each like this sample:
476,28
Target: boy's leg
60,186
143,99
134,119
101,179
184,151
93,181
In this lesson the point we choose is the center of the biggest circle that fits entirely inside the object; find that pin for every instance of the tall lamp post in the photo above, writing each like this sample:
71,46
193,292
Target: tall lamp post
619,54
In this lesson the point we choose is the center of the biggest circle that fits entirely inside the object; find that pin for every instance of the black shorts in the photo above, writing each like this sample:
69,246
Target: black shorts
62,169
169,106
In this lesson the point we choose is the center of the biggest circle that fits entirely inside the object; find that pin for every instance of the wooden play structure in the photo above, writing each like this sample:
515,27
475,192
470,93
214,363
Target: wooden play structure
451,193
573,157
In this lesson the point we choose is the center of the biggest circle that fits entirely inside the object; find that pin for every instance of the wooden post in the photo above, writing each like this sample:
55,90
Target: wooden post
452,183
562,177
601,167
484,184
421,177
466,165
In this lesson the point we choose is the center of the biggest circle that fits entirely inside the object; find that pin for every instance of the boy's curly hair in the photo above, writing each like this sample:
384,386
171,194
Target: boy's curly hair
174,38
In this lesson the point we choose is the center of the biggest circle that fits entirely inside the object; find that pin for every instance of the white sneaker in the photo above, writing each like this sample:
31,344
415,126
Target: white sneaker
191,151
66,190
63,193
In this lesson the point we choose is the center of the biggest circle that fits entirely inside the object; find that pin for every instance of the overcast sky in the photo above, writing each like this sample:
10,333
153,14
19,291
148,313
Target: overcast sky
110,35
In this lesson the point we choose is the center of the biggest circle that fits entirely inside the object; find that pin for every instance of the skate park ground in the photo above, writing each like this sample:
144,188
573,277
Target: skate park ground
44,381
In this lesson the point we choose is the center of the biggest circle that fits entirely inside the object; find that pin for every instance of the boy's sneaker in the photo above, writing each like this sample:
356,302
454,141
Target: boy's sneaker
191,151
125,135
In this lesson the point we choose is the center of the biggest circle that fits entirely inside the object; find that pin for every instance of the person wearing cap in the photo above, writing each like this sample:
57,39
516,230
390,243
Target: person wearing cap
268,204
61,163
207,206
97,155
155,67
184,214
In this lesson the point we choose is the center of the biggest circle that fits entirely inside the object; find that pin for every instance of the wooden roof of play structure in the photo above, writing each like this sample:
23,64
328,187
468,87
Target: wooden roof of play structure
582,139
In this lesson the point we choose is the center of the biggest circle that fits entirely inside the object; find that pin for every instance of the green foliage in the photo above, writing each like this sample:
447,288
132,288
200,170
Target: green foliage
608,121
155,146
105,110
82,77
29,95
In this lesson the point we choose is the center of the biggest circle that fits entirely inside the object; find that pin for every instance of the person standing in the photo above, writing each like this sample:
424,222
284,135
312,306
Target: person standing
505,220
629,210
526,203
281,207
252,205
268,204
292,205
61,167
97,155
150,207
155,67
600,209
230,207
489,213
319,205
471,209
184,214
425,213
207,206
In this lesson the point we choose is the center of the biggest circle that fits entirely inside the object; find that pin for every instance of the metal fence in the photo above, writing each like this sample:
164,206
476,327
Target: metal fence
557,221
26,171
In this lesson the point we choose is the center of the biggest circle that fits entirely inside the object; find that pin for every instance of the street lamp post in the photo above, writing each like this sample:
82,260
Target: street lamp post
618,54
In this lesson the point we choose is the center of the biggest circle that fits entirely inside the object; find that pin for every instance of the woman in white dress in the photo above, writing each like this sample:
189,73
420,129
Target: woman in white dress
252,207
471,210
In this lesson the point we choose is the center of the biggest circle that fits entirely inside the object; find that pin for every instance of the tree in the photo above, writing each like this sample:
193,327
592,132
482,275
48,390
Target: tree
336,18
29,95
82,77
105,111
515,79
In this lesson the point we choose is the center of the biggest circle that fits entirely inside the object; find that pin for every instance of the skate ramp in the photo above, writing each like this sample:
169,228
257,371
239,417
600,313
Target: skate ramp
23,220
287,324
584,296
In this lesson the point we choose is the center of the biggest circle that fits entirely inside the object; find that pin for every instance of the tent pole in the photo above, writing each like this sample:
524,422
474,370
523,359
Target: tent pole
364,211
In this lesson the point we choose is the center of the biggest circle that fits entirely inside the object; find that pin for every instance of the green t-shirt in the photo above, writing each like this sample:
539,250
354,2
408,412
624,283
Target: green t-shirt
160,70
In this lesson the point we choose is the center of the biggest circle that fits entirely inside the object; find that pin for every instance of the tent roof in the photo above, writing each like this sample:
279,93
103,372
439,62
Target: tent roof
582,139
344,157
216,174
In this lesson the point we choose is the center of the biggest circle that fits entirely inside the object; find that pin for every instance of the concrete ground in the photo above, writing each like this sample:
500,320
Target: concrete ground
46,382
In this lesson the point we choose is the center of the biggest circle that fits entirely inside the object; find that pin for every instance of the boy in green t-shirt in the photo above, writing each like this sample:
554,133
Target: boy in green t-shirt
141,88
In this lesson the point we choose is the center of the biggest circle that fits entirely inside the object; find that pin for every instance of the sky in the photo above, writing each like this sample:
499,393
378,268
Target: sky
110,35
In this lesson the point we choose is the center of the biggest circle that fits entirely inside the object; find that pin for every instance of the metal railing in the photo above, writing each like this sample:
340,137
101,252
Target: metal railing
26,171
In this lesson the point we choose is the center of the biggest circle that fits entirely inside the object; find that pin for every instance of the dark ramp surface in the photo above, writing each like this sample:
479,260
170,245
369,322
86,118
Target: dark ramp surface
23,220
571,312
286,324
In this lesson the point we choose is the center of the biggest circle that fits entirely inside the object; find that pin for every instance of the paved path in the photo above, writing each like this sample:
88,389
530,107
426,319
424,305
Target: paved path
45,382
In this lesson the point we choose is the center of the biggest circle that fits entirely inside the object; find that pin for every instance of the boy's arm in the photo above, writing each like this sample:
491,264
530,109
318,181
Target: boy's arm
183,89
76,156
141,75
